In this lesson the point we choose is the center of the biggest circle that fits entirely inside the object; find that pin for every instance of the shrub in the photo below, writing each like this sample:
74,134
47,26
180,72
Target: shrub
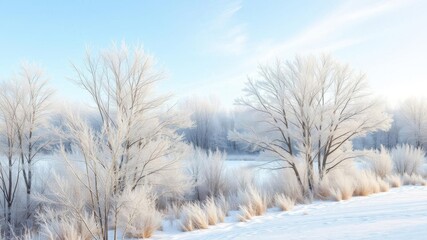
208,172
381,163
238,179
56,224
283,181
138,216
408,159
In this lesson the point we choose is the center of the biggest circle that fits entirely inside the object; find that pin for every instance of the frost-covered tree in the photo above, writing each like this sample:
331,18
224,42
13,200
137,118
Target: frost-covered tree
204,133
306,112
137,145
23,107
413,114
389,138
32,135
10,167
211,124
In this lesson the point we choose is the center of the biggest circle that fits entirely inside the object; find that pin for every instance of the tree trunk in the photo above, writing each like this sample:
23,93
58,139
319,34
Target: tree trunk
301,184
310,179
9,220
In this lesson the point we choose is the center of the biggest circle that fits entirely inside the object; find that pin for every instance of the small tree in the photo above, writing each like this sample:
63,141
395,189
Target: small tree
137,143
11,121
308,110
413,114
32,133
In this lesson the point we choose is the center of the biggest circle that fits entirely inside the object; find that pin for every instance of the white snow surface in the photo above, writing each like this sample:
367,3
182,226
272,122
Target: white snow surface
400,213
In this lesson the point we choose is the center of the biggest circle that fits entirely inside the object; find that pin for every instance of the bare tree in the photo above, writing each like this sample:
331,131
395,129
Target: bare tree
137,144
32,134
205,133
11,121
308,110
413,114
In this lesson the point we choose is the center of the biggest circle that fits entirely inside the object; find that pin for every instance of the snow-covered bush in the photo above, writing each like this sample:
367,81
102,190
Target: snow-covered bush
56,224
283,181
208,172
407,159
238,179
366,183
137,216
380,162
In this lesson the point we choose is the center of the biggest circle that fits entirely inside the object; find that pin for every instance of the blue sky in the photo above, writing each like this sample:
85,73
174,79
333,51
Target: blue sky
211,47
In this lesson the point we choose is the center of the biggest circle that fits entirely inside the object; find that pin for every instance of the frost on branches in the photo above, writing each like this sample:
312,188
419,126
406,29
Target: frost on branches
305,112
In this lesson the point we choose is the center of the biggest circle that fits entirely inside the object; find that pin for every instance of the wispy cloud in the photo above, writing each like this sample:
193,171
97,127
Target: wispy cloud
320,35
331,33
228,13
227,36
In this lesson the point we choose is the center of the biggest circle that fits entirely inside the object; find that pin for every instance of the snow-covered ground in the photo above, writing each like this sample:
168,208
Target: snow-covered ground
400,213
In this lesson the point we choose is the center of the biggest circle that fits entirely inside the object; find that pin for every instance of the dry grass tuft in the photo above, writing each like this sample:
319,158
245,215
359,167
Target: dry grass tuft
336,186
414,179
380,162
366,183
200,216
214,211
193,217
138,216
57,225
252,203
246,213
394,181
384,186
283,202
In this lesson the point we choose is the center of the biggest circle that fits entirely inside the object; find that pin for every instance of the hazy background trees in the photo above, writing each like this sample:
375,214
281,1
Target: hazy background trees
211,124
408,127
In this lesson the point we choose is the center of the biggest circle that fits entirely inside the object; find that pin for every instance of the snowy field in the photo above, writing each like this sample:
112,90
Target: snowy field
400,213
